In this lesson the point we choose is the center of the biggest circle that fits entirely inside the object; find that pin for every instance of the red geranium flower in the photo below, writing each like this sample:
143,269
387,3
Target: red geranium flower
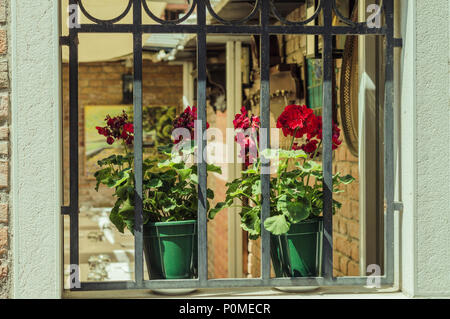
241,120
128,127
110,140
296,119
256,123
187,120
310,147
301,121
295,147
247,139
117,128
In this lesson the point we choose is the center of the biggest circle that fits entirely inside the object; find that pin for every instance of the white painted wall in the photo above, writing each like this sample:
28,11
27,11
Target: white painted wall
35,139
234,104
425,148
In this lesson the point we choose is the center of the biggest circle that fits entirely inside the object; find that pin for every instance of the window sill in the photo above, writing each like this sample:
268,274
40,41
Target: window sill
248,293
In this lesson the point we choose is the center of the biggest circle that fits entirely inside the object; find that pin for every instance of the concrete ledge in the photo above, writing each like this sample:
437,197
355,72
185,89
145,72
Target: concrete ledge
247,293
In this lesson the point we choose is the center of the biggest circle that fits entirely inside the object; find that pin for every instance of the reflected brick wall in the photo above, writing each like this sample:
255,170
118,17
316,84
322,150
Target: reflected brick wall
100,83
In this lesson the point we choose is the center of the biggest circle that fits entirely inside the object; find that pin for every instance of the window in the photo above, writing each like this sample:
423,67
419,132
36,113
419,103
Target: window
264,28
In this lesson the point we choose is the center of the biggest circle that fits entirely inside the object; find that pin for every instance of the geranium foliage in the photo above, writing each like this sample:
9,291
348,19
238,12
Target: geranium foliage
169,185
296,190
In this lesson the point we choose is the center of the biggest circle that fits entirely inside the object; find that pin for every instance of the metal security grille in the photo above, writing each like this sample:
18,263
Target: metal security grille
264,8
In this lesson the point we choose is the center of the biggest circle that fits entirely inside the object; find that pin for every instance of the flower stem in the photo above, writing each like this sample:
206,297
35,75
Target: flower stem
317,149
286,162
314,155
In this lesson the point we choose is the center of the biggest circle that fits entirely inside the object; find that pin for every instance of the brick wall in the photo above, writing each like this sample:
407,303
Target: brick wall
100,83
346,220
5,254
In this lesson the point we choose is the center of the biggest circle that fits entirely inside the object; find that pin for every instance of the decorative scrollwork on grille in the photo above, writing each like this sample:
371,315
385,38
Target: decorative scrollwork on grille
285,21
100,21
342,17
167,22
236,21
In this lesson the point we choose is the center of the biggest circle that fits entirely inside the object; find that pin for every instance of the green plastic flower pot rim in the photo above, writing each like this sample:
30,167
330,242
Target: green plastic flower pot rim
173,228
298,253
170,249
181,222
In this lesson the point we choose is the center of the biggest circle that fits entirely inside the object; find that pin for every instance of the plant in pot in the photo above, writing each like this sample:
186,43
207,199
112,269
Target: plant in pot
169,198
296,190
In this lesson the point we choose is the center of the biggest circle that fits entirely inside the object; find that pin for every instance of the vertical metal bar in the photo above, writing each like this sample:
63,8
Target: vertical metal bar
379,207
316,37
265,137
73,145
137,106
389,141
327,142
201,143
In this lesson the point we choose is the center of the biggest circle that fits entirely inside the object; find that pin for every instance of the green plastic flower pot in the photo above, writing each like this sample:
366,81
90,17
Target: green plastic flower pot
170,249
298,253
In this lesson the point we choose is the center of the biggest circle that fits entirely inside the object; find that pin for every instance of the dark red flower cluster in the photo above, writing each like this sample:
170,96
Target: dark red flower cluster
244,122
301,121
317,132
187,120
296,119
247,135
117,128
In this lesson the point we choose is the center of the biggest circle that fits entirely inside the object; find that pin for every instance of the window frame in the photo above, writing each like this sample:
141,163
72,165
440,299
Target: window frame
327,31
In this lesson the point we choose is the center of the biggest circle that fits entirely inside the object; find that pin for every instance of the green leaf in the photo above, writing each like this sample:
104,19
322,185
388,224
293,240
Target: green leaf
127,210
336,204
237,192
250,171
214,168
184,173
115,218
124,191
219,206
194,178
270,153
297,190
310,166
282,203
298,211
294,211
169,163
102,176
277,224
168,175
347,179
120,178
166,149
209,194
155,183
292,154
130,225
249,180
231,187
251,222
170,204
280,153
109,160
256,188
187,147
